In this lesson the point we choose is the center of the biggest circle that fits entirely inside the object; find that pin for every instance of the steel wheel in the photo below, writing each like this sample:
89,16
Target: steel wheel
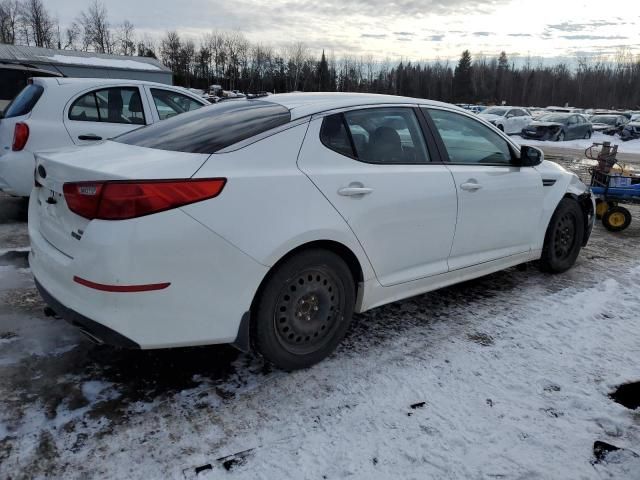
308,311
304,309
565,236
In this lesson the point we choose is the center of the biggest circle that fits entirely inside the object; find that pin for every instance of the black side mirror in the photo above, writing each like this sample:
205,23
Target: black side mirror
530,156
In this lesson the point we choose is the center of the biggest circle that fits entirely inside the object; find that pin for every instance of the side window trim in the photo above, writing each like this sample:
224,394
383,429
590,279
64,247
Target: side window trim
435,155
442,148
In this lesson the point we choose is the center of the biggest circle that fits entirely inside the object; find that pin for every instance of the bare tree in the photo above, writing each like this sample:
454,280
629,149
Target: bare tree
126,38
96,31
9,21
38,25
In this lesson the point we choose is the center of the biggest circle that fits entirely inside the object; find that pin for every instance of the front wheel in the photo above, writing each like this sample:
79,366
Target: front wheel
563,240
587,135
304,309
561,136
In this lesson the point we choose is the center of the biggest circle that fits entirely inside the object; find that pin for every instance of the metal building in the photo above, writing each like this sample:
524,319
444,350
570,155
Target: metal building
72,63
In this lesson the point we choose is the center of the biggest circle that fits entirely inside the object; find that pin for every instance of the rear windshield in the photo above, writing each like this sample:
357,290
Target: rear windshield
210,128
24,102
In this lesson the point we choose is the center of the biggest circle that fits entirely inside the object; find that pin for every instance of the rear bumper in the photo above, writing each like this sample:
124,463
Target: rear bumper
212,283
93,329
16,173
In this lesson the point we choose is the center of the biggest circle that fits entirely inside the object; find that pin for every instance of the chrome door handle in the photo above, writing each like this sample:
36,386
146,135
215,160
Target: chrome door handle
354,191
471,186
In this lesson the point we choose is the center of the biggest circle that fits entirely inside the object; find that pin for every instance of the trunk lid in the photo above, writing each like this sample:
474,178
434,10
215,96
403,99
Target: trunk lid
61,227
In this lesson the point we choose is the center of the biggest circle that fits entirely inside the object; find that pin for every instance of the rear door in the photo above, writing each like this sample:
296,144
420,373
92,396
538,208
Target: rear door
374,166
100,114
499,204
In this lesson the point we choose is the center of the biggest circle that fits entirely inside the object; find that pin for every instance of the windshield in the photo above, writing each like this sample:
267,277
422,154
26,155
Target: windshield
495,111
210,128
608,119
554,117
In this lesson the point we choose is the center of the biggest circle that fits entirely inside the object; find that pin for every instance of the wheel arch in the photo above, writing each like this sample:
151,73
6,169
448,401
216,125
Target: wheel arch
586,204
243,340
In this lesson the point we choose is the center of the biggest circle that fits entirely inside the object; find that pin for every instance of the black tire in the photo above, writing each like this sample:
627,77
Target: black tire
563,240
600,209
561,136
304,309
587,135
616,219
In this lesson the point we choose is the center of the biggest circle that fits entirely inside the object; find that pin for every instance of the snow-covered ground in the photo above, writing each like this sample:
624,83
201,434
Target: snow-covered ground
504,377
629,147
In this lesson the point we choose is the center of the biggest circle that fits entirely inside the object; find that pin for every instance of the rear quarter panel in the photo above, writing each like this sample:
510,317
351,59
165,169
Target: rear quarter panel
268,206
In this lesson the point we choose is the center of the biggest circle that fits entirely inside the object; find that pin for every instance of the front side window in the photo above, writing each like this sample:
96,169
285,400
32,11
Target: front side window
169,104
110,105
468,141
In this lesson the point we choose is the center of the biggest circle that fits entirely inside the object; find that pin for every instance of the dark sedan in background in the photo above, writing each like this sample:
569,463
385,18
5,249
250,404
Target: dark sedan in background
559,127
630,131
608,124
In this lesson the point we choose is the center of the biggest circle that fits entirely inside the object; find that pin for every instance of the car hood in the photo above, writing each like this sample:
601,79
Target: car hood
537,123
490,117
602,126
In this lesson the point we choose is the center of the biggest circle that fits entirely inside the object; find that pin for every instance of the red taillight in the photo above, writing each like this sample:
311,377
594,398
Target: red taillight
120,200
20,136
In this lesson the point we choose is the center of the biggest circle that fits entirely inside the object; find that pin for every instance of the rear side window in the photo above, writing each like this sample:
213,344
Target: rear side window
24,102
210,128
376,135
111,105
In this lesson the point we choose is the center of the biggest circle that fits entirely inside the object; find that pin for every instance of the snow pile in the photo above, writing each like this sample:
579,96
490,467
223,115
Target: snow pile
631,146
100,62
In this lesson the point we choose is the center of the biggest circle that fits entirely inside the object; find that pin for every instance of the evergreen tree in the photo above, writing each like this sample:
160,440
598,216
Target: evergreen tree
462,85
324,80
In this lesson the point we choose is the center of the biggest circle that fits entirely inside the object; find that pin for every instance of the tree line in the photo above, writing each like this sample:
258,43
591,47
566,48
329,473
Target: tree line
231,60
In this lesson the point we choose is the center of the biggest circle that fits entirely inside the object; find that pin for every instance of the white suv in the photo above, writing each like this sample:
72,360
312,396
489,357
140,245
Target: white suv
507,119
52,113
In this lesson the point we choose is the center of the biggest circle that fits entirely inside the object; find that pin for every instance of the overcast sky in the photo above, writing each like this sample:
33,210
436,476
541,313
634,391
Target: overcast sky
413,29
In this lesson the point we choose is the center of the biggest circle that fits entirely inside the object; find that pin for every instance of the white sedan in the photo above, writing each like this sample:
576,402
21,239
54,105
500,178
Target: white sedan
267,224
507,119
53,113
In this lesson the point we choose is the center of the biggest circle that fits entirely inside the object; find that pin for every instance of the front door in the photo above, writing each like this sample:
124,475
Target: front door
499,204
374,166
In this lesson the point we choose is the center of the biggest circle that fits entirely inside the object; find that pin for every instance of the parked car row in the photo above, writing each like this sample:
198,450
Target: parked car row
173,233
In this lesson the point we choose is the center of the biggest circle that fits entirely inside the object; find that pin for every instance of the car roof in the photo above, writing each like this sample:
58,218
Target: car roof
305,104
81,82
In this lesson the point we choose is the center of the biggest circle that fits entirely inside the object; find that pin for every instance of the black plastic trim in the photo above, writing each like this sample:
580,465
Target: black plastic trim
93,328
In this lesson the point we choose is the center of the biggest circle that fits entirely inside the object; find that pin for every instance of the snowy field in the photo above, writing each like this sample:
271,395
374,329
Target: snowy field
505,377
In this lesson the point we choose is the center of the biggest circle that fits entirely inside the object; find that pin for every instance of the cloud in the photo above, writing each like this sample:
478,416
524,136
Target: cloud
592,37
482,34
404,34
403,39
434,38
374,35
579,27
520,35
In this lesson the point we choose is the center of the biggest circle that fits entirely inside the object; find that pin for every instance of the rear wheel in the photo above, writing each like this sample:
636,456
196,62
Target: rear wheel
304,309
563,240
561,136
616,219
